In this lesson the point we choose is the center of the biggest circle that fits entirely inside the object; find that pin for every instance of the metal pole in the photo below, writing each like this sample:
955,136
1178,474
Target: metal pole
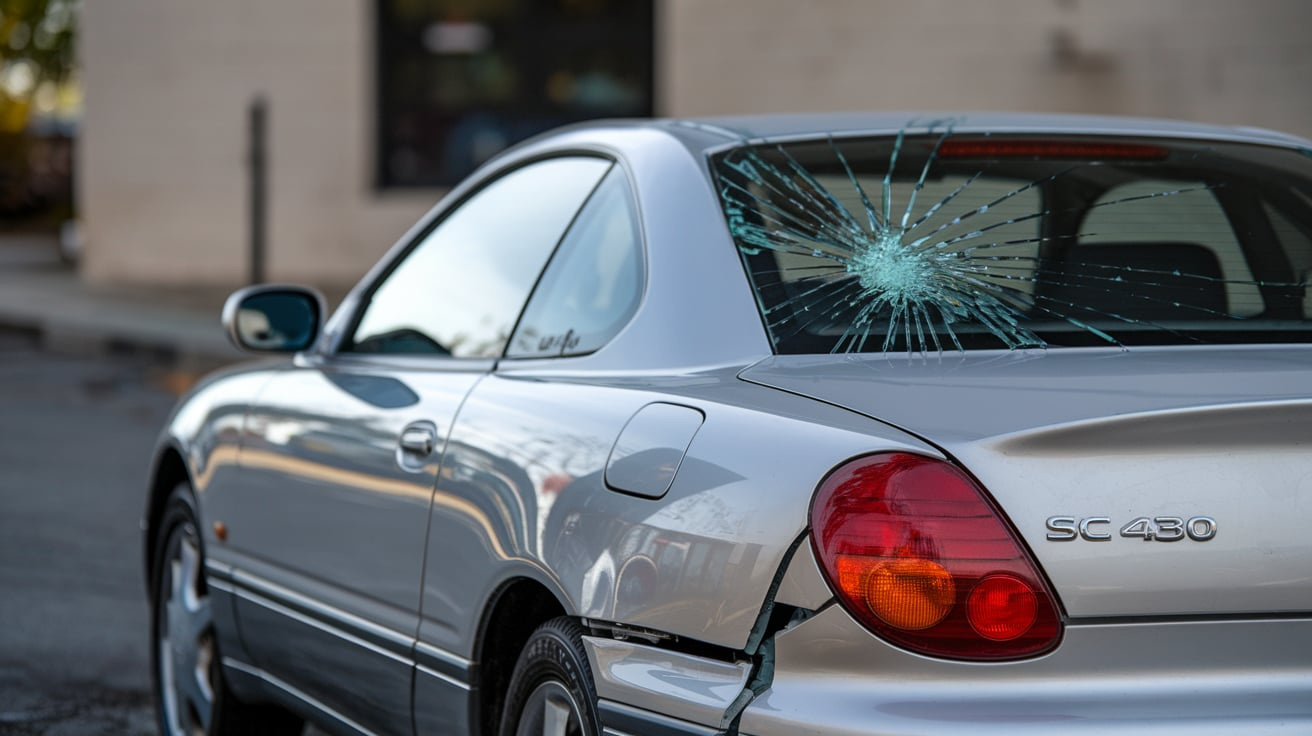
259,124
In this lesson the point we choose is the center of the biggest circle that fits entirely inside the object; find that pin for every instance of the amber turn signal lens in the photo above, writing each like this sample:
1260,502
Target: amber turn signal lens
906,593
1001,608
910,594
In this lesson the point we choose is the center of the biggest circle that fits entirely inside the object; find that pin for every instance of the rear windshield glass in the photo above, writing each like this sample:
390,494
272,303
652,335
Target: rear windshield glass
931,241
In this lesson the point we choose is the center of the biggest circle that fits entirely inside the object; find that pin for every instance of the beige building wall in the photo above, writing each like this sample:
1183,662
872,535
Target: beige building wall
1234,62
162,172
162,185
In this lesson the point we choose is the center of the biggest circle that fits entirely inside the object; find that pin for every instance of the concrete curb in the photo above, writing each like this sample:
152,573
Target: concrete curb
40,296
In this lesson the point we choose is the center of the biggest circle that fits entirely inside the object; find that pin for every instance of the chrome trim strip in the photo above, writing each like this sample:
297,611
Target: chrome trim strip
382,636
222,586
621,719
443,677
326,628
219,569
440,663
447,663
428,650
295,693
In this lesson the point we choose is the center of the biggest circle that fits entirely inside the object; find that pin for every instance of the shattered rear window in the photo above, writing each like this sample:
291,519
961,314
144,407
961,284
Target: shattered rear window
930,241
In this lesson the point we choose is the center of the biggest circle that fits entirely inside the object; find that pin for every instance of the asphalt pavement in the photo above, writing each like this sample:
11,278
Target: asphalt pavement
75,440
45,297
87,378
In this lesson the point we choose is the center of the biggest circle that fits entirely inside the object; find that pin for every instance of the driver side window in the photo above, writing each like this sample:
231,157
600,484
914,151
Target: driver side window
458,292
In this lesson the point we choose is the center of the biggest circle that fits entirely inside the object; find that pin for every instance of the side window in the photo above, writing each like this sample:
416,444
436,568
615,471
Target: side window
458,292
594,282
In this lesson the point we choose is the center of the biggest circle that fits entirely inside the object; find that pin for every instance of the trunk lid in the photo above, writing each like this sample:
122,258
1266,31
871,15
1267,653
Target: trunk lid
1216,438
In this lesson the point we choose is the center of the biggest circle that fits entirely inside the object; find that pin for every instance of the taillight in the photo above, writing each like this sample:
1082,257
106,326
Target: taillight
918,553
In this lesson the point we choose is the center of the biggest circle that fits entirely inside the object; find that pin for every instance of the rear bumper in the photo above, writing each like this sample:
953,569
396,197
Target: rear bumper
1178,677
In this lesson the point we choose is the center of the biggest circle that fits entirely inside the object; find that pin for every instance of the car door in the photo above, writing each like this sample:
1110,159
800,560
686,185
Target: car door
328,522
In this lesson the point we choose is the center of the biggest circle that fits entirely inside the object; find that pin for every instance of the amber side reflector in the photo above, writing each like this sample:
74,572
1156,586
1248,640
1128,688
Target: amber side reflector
1049,149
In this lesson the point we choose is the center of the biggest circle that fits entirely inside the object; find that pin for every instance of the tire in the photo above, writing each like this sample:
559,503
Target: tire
551,691
191,697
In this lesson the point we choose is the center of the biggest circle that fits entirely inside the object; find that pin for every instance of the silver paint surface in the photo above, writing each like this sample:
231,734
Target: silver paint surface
1200,677
803,585
648,451
519,496
322,508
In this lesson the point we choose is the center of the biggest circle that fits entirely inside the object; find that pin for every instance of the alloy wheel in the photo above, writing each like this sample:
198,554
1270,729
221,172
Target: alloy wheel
550,711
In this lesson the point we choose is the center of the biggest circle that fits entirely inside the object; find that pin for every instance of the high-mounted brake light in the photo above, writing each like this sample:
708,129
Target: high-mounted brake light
918,553
1029,148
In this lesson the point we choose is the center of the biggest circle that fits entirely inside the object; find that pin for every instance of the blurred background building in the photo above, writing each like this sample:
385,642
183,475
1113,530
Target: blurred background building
40,104
375,106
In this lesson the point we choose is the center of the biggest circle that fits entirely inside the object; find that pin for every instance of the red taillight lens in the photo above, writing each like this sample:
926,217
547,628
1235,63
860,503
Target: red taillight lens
1001,608
918,553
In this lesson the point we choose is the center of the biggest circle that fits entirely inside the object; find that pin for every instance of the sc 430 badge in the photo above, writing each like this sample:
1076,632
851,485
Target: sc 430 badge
1155,529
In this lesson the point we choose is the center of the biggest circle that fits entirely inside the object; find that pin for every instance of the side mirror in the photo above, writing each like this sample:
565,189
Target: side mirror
274,318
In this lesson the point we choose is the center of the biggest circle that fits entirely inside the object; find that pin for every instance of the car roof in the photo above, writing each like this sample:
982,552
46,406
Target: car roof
701,135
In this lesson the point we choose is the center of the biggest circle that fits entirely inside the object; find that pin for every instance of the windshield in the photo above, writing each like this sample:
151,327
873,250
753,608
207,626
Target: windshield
930,241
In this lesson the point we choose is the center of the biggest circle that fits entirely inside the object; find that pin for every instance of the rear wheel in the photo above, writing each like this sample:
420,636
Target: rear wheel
190,695
551,691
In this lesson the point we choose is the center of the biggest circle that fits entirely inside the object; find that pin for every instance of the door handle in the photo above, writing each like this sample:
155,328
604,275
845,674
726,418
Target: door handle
418,440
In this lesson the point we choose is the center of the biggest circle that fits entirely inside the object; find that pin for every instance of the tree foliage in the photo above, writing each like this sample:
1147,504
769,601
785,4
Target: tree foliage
36,52
38,70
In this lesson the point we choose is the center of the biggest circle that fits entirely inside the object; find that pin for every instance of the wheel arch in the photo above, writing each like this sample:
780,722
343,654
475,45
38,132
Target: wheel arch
516,608
169,470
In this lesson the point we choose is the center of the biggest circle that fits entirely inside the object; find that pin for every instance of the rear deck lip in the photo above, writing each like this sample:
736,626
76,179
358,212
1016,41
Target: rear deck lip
890,382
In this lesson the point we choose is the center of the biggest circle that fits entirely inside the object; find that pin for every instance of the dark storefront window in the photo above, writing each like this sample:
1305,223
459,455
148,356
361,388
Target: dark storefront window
459,80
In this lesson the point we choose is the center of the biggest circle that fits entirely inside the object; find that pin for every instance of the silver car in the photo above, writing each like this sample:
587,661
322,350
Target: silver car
860,424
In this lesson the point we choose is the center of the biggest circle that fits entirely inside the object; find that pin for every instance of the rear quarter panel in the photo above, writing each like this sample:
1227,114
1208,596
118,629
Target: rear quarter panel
523,494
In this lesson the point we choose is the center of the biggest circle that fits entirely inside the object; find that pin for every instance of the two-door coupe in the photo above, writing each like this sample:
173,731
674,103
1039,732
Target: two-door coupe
852,424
